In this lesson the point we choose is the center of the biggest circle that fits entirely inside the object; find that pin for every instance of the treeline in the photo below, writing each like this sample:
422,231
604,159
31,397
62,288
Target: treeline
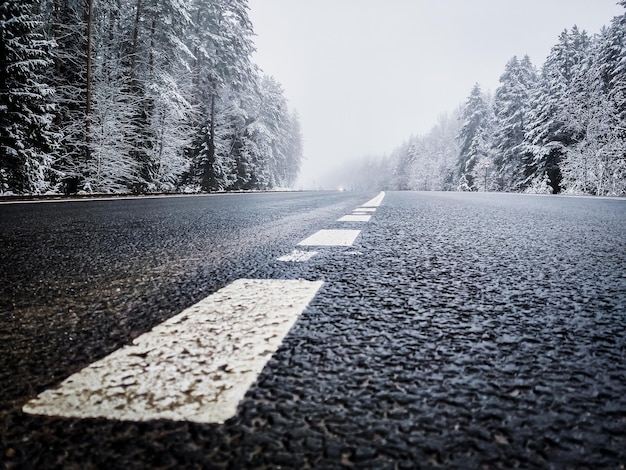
138,96
559,129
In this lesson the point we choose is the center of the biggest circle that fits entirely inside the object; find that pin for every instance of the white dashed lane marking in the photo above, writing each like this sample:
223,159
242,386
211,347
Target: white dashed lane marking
298,256
355,218
331,238
375,202
196,366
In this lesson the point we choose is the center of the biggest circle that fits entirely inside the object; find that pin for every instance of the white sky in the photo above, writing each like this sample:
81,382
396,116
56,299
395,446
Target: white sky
364,75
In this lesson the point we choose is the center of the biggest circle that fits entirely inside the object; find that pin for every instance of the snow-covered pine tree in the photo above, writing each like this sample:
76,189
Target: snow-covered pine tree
67,24
110,168
25,108
595,164
613,59
158,60
285,147
222,45
473,137
442,149
511,103
294,150
242,142
259,136
170,88
424,163
404,159
417,162
547,136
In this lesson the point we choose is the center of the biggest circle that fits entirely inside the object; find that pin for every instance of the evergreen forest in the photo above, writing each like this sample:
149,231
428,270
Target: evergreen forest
557,129
138,96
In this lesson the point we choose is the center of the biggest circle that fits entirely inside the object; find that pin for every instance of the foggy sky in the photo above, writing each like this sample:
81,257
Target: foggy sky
364,75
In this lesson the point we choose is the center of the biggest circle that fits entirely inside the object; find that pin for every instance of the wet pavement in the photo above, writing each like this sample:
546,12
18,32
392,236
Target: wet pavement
460,331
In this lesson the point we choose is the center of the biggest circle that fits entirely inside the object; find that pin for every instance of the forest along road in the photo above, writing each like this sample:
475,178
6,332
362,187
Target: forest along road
429,330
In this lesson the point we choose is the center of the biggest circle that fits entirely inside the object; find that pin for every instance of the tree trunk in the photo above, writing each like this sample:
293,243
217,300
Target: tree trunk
152,46
135,47
89,91
208,174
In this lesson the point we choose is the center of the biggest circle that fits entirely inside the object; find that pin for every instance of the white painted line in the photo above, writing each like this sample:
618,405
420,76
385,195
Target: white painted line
375,202
355,218
298,256
196,366
365,209
331,238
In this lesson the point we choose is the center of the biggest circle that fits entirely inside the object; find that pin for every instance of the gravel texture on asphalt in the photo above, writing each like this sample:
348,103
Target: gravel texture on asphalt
460,331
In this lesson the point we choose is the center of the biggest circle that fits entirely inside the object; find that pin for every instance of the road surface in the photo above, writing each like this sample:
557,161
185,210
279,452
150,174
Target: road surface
452,330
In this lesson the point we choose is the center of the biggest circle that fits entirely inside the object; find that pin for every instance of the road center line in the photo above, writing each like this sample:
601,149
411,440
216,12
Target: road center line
196,366
355,218
375,202
298,256
331,238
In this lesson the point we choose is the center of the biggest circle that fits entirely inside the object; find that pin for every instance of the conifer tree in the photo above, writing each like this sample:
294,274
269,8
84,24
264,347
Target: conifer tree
595,163
294,150
511,103
222,45
548,136
66,24
473,137
25,108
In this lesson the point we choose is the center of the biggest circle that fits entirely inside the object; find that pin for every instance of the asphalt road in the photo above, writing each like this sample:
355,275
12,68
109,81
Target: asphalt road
459,331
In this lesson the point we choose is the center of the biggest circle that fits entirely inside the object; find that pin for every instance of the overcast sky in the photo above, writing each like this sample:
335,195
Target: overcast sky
364,75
